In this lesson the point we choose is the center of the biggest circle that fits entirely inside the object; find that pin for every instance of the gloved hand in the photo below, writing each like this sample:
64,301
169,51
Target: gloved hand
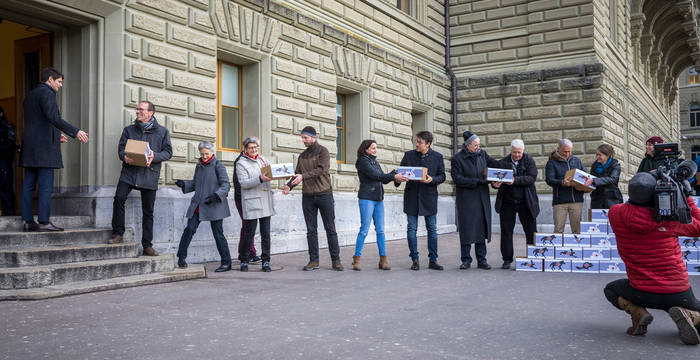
212,199
180,183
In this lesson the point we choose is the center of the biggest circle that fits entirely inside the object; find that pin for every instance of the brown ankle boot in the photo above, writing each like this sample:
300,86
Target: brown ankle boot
686,321
640,317
356,263
383,263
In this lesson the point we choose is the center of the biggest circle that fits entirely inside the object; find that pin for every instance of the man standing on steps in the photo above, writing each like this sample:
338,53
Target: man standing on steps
312,168
144,179
41,148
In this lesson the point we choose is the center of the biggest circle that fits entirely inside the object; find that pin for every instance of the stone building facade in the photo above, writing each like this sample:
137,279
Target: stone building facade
689,108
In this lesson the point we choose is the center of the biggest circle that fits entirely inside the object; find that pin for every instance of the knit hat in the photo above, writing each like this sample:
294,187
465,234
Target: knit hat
655,140
469,137
309,130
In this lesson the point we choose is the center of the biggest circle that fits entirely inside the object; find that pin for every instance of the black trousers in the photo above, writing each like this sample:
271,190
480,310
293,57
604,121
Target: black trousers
622,287
507,217
250,227
479,250
7,189
217,228
148,199
311,205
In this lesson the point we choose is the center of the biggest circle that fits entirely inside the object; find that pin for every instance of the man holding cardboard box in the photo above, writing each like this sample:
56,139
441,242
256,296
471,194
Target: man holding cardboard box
143,146
566,198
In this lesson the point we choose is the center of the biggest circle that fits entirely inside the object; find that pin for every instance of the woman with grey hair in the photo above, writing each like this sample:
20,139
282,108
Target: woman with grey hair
256,200
209,203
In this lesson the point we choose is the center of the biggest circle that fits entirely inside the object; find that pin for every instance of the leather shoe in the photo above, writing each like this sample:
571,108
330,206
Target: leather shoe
484,266
254,259
415,265
181,263
115,239
31,227
244,267
506,265
465,265
48,227
435,266
266,266
149,251
223,268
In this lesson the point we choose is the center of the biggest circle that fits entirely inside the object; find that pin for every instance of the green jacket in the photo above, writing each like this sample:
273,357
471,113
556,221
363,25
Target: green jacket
652,163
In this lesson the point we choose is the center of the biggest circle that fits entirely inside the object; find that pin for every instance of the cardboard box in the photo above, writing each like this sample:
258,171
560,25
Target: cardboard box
591,267
540,252
524,264
549,239
588,227
278,171
579,178
138,151
598,215
693,268
504,175
413,173
696,198
689,242
577,240
600,240
690,255
612,267
596,254
571,253
612,239
614,254
557,266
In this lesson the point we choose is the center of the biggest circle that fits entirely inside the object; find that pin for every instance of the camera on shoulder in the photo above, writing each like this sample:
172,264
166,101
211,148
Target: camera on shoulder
672,186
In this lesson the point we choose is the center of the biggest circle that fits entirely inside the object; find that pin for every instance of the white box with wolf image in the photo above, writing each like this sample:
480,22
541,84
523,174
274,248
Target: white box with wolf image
577,240
504,175
557,266
548,239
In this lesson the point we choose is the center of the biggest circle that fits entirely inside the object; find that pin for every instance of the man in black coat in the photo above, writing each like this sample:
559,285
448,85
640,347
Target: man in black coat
7,159
420,197
41,148
519,197
144,179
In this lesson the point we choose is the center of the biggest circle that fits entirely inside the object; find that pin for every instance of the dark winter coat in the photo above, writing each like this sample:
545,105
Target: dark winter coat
524,175
606,193
236,183
7,140
555,170
158,137
650,163
421,199
371,178
41,136
473,200
209,178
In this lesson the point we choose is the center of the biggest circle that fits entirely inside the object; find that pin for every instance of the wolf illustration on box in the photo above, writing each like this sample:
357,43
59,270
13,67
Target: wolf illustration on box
584,266
690,255
548,239
558,266
523,264
535,252
571,253
688,242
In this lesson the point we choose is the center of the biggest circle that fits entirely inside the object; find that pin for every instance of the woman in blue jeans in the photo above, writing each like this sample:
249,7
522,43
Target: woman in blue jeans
370,198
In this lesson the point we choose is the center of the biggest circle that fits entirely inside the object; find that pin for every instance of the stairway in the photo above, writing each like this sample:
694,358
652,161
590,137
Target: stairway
40,265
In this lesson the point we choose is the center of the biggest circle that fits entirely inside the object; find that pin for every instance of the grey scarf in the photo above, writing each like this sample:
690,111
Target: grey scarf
148,125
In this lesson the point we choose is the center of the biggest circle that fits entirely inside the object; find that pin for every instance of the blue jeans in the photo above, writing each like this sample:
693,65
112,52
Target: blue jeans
412,228
371,210
45,178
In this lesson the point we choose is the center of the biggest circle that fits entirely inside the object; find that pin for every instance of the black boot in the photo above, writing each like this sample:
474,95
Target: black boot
435,266
415,265
266,266
181,263
244,266
223,268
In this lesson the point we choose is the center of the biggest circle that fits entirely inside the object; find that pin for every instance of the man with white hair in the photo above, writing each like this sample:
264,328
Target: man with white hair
519,197
565,198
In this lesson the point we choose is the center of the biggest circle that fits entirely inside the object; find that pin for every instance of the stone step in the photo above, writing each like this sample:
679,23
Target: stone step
19,239
50,275
65,254
15,223
194,271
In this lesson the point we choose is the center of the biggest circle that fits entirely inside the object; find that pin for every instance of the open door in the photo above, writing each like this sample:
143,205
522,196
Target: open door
31,56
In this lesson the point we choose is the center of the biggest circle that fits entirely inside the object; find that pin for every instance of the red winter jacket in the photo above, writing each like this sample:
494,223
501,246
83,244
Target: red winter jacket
650,249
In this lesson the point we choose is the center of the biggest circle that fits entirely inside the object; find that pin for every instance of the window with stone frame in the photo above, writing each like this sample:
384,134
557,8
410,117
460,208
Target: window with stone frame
695,115
229,109
695,151
405,6
613,21
340,128
693,77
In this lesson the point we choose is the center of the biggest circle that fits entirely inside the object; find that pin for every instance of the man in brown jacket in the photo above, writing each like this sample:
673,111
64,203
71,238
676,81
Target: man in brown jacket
312,168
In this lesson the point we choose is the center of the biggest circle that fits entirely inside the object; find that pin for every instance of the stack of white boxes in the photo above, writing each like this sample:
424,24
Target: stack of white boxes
592,251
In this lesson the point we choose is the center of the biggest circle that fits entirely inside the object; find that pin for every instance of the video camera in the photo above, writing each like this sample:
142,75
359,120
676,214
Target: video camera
672,186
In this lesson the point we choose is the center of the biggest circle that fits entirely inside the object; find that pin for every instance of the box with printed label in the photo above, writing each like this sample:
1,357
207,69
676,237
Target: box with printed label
614,254
278,171
138,151
588,227
579,266
525,264
413,173
612,267
540,252
571,253
577,240
557,265
600,240
596,254
579,178
599,215
690,255
693,268
612,239
548,239
689,242
503,175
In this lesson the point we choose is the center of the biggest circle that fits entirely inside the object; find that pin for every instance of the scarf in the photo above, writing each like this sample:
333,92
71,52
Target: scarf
208,161
600,167
148,125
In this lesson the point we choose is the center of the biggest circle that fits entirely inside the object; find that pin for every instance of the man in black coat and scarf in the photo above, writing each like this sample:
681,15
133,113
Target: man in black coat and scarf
519,197
473,200
41,148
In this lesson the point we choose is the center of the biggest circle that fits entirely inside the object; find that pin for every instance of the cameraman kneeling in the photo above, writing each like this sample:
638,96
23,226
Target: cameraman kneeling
658,278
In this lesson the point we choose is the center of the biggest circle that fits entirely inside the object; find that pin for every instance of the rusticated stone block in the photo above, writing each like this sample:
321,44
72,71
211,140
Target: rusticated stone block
144,25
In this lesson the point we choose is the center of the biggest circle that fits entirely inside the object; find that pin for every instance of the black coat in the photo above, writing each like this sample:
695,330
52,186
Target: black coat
209,178
41,137
158,137
524,175
473,200
236,183
606,193
554,171
371,178
421,199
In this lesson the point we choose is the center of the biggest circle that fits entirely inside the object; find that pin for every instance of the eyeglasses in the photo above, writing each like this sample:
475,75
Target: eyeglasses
251,147
141,109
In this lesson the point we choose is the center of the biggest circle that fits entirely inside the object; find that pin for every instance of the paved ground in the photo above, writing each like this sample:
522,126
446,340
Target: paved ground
372,314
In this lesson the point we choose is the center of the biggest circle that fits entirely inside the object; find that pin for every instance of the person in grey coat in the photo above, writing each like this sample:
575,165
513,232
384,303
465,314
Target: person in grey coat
256,196
209,203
